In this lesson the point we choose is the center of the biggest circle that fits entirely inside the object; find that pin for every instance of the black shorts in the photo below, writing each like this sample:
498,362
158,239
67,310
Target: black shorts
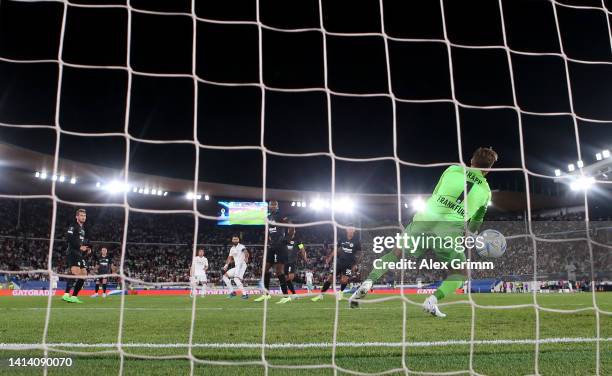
344,268
74,259
289,268
277,253
101,271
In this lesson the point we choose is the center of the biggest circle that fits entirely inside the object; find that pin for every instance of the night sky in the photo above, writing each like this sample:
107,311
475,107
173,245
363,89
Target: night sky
162,108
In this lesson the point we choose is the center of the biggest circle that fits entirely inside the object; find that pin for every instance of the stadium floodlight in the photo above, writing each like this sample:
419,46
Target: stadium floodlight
580,164
43,175
154,191
299,204
135,190
344,205
116,187
570,167
159,192
598,156
54,178
206,197
406,205
72,180
317,204
605,153
189,195
165,194
583,183
62,178
37,174
98,185
292,203
557,172
141,190
199,197
418,204
304,204
146,191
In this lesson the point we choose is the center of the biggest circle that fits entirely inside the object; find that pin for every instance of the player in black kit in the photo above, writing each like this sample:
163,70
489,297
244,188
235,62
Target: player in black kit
277,252
77,251
105,265
346,264
295,252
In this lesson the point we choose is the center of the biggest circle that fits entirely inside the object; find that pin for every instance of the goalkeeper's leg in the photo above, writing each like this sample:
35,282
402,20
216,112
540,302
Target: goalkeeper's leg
415,227
449,285
374,276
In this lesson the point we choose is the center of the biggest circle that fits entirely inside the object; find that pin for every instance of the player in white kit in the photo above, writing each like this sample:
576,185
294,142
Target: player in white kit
309,278
240,255
54,279
198,273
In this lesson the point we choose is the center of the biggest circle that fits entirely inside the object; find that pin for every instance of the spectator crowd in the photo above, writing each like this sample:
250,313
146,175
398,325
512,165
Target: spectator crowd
159,247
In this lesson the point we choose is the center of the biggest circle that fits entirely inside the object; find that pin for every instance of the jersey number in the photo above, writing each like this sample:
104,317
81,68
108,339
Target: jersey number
460,198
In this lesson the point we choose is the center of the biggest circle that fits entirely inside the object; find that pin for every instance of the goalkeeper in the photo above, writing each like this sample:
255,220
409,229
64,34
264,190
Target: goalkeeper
444,218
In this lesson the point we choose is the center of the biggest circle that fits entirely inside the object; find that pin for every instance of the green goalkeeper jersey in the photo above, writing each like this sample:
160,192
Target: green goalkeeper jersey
447,202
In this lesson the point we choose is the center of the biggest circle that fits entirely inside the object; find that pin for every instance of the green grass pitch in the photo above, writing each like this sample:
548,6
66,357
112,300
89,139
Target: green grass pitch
165,321
247,217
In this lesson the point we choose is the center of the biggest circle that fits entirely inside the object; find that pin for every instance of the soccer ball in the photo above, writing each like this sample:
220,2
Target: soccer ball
494,244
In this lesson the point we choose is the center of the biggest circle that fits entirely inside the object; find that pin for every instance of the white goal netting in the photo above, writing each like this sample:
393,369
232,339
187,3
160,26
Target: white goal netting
123,349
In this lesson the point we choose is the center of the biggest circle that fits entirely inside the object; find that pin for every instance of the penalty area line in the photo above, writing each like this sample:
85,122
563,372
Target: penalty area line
25,346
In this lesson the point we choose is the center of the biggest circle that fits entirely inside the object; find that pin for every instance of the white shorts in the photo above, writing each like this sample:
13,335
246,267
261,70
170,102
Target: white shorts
200,278
237,271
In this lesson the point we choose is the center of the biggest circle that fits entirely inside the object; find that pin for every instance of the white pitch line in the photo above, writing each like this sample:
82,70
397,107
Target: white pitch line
25,346
260,308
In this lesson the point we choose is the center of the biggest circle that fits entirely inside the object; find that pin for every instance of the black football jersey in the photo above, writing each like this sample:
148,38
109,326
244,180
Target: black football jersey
75,236
348,249
277,234
104,265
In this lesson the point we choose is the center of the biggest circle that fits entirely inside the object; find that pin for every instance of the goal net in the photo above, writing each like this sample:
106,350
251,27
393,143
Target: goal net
466,62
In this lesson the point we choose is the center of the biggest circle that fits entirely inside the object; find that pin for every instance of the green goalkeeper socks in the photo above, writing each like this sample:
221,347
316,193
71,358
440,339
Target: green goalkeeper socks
449,285
375,274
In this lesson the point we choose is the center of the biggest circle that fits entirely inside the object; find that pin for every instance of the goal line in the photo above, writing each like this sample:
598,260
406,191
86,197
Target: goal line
33,346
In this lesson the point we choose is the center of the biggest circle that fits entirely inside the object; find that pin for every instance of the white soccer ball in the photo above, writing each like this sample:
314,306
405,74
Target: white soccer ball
494,244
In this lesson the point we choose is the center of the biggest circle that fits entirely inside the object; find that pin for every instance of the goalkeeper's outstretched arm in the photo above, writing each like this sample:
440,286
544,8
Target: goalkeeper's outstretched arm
477,219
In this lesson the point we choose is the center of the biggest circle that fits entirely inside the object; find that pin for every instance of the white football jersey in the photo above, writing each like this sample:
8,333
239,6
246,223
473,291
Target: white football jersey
308,277
200,264
237,253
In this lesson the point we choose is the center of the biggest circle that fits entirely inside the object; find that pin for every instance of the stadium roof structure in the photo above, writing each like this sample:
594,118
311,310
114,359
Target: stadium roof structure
18,166
600,170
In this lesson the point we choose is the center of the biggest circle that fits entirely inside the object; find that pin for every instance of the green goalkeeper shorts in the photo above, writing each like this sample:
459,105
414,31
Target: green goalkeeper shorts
444,238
